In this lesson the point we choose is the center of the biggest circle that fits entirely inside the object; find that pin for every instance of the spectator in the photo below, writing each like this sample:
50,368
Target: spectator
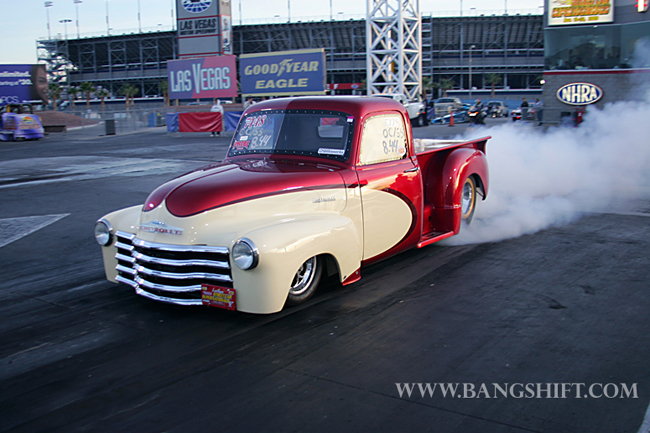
524,109
539,111
217,108
248,102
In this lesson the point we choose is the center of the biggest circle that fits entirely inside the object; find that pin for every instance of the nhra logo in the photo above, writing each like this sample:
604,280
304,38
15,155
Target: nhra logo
196,6
579,93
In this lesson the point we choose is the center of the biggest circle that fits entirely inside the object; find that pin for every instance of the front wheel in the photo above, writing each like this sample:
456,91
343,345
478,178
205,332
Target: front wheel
305,281
468,200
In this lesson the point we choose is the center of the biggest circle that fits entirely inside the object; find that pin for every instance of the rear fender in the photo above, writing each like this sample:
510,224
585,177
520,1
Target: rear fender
458,166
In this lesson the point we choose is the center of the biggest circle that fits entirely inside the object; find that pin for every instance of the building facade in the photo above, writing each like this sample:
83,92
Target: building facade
455,48
592,54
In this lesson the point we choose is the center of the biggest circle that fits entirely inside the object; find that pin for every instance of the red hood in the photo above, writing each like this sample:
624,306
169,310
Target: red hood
232,182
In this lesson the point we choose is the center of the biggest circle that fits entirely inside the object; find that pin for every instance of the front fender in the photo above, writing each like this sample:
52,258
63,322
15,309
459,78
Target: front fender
283,247
125,220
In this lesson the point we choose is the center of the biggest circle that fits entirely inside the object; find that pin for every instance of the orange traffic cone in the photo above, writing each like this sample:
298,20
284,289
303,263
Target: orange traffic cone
451,118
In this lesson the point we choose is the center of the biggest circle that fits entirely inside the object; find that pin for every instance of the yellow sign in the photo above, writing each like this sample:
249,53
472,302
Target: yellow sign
570,12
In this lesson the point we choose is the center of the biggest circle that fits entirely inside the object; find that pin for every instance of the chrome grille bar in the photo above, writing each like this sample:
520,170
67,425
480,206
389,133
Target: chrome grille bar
170,273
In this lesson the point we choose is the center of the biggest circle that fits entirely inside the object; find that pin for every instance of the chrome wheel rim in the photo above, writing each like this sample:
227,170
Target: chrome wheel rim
303,278
468,198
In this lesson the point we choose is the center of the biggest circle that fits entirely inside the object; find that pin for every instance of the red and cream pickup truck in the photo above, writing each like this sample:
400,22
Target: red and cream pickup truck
311,186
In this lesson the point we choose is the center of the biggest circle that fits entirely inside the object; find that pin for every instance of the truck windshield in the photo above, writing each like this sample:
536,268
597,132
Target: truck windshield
326,134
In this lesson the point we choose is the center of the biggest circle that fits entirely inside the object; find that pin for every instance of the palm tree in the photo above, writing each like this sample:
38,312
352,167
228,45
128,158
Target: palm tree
129,91
87,88
492,79
73,91
164,89
446,84
55,91
427,84
102,94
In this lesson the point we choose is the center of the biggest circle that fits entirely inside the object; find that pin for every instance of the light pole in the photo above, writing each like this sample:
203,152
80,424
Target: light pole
139,20
108,27
76,5
48,4
289,11
65,26
470,70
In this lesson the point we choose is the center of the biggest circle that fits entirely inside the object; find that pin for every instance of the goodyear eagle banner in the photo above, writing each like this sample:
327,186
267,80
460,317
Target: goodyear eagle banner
207,77
283,73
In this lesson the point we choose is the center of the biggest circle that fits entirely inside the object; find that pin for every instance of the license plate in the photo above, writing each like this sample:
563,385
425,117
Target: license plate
220,297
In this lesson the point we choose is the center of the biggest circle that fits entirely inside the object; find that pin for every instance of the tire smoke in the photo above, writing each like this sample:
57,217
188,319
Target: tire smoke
540,179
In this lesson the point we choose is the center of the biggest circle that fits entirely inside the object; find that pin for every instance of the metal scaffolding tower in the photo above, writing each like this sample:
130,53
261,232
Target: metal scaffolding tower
394,47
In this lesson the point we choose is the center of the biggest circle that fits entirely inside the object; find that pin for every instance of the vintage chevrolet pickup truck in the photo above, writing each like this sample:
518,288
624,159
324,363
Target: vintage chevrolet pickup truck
311,186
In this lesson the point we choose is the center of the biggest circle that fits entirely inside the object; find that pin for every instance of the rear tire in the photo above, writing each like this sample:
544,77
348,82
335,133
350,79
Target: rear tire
468,201
305,281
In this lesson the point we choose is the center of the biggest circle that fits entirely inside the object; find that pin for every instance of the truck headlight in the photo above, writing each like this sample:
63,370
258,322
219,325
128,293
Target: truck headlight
245,254
103,232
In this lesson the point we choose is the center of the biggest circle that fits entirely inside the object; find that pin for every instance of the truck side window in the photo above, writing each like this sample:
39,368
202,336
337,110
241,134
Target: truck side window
384,139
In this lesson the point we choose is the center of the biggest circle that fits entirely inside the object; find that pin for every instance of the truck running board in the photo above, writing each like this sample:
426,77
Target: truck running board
432,237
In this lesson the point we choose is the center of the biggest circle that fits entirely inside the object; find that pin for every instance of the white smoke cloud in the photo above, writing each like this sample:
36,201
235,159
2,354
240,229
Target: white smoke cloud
541,179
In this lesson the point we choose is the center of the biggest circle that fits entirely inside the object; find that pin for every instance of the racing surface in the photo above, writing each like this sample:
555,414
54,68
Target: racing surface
568,304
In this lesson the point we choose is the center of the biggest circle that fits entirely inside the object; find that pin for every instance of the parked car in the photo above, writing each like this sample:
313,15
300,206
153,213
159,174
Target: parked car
443,106
516,114
497,109
414,108
311,187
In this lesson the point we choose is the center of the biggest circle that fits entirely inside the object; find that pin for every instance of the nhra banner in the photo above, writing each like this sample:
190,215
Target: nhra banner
208,77
22,83
283,73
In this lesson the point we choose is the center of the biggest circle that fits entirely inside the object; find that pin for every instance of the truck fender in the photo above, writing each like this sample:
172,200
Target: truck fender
458,166
283,247
126,220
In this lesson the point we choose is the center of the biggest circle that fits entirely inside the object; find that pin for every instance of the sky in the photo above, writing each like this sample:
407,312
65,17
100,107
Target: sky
25,21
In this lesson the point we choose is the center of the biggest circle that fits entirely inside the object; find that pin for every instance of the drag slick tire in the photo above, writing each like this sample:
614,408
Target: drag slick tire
468,201
305,282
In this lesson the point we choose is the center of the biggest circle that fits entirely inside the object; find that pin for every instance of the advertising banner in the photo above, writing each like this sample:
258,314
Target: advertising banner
22,83
200,122
571,12
283,73
198,28
208,77
226,26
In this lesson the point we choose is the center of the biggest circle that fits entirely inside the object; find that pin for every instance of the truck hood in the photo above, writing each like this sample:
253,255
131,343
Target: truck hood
233,182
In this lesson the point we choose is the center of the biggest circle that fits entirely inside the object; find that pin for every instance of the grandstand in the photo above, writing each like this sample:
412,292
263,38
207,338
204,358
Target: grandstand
509,45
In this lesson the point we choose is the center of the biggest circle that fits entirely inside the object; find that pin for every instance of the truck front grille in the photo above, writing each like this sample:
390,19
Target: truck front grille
170,273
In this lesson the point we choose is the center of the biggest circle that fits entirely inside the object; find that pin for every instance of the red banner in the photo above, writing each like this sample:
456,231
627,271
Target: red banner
200,122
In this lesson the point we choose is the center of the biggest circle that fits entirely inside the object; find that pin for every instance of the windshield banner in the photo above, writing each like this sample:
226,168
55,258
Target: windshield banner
284,73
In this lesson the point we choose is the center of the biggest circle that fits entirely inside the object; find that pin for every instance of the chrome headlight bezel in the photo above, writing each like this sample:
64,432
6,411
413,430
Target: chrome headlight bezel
103,232
245,254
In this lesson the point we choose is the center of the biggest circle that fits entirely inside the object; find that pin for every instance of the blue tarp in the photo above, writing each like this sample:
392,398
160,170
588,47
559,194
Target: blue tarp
232,119
172,122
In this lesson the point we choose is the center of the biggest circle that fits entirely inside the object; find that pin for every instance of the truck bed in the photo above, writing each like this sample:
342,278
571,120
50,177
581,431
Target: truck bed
425,145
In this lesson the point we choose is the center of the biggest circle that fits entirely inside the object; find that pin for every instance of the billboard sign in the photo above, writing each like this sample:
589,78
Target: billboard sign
22,83
226,26
571,12
207,77
579,93
197,22
283,73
